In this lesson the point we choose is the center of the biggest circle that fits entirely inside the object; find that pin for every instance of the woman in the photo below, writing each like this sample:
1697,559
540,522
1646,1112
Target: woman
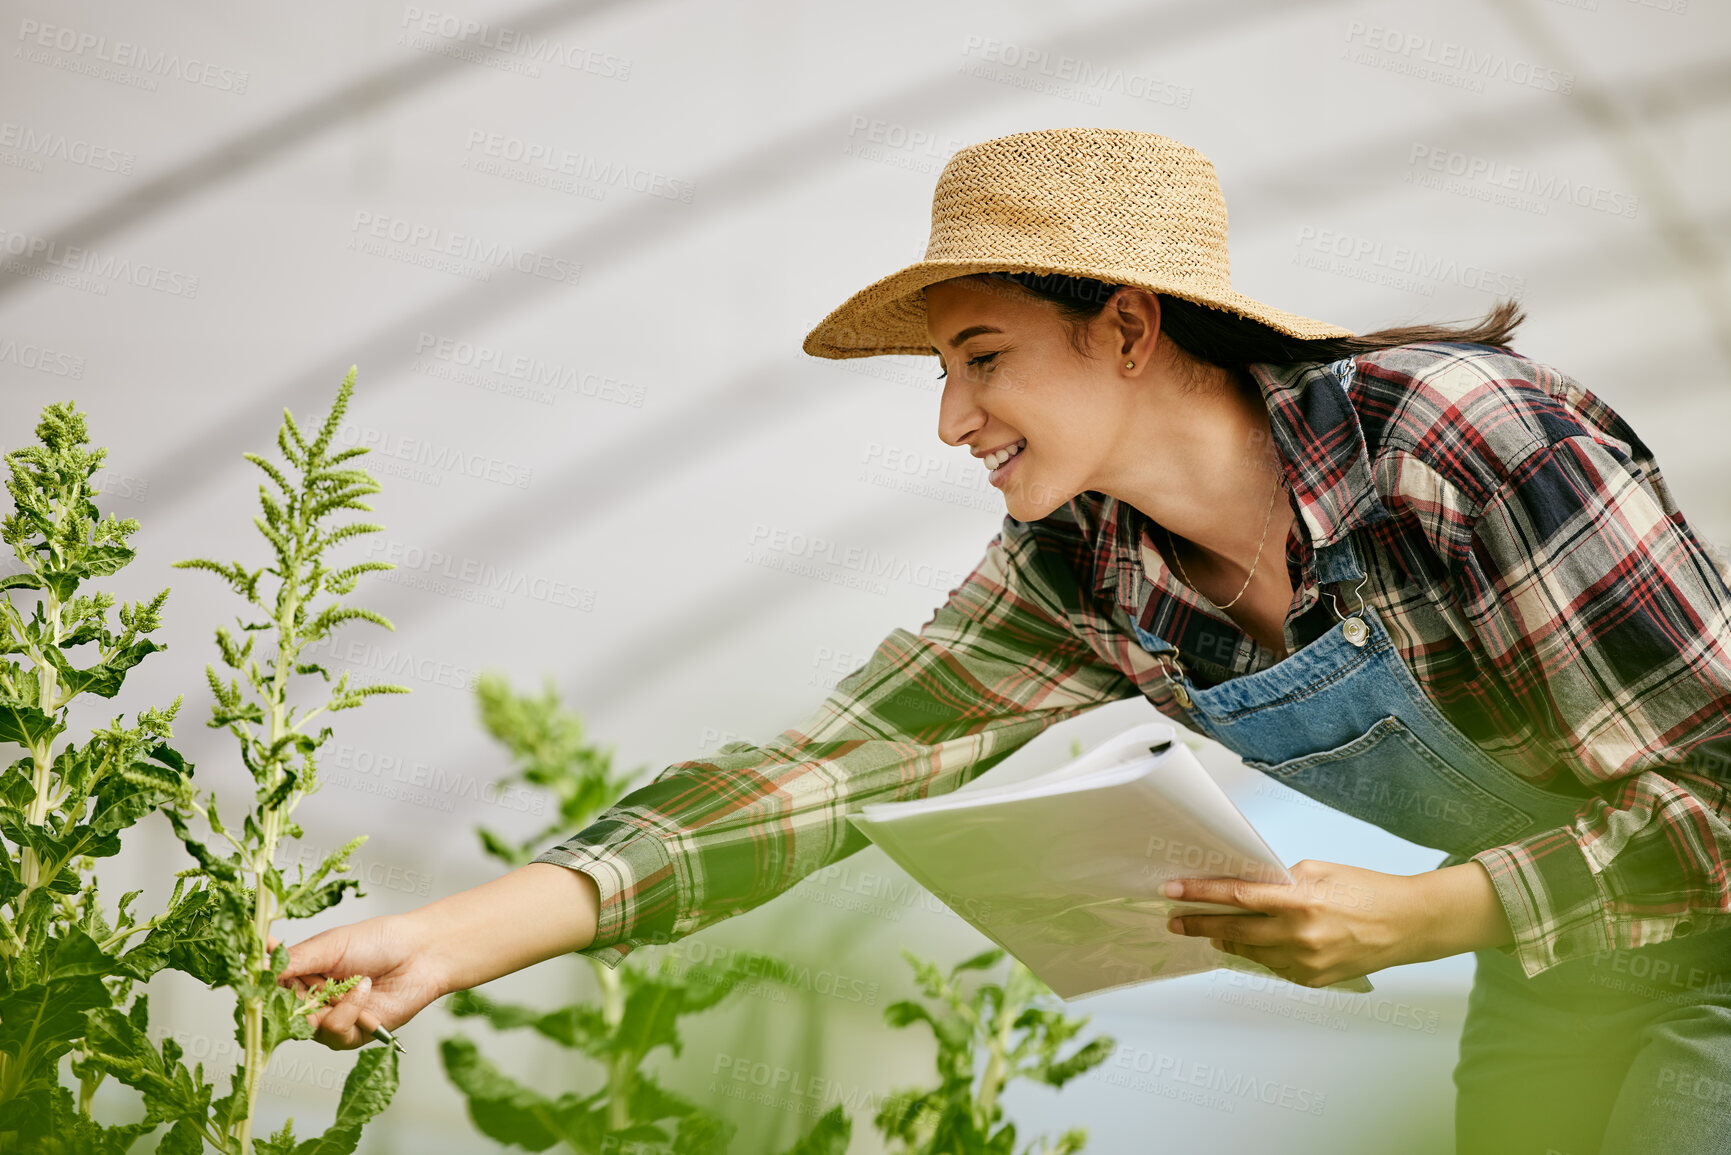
1477,619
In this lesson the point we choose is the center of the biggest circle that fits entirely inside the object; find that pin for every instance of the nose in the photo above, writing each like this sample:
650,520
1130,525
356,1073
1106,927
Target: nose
959,412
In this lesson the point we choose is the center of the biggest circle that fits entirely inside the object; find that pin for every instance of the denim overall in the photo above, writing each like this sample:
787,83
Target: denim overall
1548,1064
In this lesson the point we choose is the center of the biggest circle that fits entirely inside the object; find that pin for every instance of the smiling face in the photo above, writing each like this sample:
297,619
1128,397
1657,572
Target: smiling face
1012,376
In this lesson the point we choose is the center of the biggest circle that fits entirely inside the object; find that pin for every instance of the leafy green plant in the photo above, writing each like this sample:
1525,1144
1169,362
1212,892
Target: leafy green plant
64,806
244,892
639,1009
1019,1038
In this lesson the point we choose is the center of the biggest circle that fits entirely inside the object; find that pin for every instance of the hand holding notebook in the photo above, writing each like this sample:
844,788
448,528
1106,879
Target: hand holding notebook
1067,870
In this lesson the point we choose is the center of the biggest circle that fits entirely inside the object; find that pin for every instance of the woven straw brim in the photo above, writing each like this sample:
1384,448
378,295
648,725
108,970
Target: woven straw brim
888,316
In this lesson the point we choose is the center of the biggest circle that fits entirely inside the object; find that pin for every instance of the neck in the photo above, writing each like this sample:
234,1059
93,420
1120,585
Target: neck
1203,465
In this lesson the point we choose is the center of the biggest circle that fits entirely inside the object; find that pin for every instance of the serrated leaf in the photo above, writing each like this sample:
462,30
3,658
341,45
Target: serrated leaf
42,1020
182,1139
104,678
23,723
170,1091
280,1142
367,1091
830,1135
500,1107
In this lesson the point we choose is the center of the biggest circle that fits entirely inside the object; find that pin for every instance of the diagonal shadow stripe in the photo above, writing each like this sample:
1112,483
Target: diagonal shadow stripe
679,442
268,142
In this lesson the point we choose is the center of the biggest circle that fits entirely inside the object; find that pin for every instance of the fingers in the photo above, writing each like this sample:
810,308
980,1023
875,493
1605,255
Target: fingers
341,1025
315,957
1252,930
1258,896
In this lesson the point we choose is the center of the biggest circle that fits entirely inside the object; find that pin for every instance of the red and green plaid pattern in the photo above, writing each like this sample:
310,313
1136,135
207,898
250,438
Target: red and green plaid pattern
1523,551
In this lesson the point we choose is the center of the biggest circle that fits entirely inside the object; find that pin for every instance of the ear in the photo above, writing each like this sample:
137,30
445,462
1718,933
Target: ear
1136,323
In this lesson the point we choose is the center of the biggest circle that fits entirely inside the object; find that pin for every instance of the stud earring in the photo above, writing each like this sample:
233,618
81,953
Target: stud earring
1129,364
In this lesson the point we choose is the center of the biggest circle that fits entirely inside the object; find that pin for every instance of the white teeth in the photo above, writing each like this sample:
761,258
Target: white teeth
993,460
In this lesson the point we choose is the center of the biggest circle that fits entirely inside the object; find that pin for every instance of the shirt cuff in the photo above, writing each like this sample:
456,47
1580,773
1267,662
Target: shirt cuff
635,879
1552,898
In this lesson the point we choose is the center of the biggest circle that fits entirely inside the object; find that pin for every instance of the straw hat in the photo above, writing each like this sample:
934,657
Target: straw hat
1124,207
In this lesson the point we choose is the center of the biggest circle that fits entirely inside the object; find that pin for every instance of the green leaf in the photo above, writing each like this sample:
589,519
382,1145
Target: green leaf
46,1121
104,678
1095,1052
828,1136
182,1139
700,1133
985,960
366,1092
280,1142
42,1020
23,723
119,1046
501,1108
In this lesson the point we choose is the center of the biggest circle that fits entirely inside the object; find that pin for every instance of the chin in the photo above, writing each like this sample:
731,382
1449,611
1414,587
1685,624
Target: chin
1023,507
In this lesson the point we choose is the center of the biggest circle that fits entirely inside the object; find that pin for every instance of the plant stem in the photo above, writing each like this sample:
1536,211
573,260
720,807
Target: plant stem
264,904
620,1066
41,756
993,1079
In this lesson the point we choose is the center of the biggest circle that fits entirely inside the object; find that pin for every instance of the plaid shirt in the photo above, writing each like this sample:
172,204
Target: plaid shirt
1523,551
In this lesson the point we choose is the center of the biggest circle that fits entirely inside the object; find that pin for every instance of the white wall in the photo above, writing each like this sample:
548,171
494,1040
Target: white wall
320,118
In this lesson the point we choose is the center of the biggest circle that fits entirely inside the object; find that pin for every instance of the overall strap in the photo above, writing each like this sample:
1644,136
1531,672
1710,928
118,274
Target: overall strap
1337,562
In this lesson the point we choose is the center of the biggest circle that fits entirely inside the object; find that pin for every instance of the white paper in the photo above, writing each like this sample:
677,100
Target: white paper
1066,870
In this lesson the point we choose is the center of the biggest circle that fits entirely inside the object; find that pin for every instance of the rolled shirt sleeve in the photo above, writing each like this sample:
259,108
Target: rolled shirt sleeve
712,837
1599,609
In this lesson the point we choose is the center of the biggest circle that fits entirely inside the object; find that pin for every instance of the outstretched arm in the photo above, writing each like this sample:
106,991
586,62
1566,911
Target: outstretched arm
460,941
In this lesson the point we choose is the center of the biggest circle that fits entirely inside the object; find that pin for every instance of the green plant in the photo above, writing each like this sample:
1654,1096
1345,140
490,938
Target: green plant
62,808
245,893
1019,1038
639,1009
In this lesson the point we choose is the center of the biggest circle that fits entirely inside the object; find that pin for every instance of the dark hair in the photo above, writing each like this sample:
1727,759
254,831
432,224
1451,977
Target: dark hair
1227,339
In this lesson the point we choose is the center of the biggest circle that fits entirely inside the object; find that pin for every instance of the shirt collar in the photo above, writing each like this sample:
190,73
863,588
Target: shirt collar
1322,450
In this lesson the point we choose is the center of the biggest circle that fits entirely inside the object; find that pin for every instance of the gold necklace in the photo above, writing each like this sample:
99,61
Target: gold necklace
1268,521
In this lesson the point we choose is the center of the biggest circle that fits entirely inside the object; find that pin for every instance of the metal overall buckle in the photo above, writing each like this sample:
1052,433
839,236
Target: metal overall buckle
1178,690
1353,628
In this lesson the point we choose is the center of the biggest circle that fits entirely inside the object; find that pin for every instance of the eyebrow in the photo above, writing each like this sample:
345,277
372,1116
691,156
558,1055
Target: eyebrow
970,331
